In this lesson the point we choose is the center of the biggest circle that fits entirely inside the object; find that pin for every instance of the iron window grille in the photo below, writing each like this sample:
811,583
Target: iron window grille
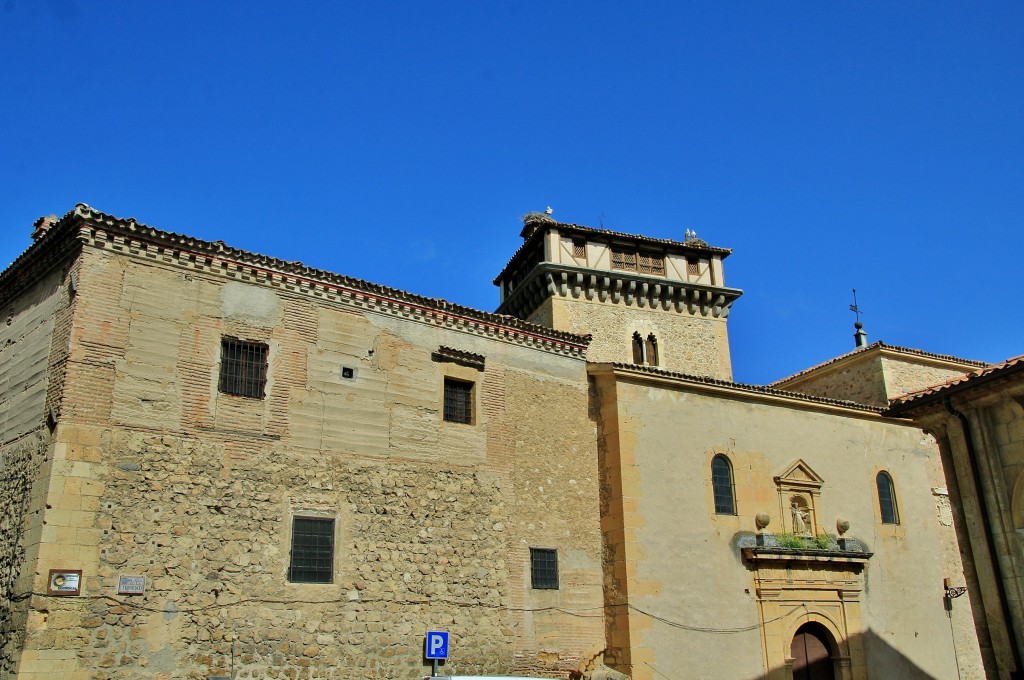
458,401
243,368
544,568
722,486
312,559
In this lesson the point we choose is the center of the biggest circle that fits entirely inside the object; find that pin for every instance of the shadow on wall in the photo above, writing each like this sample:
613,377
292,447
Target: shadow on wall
815,658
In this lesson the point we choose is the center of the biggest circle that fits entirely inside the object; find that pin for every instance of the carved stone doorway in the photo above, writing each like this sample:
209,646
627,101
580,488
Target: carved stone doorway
812,653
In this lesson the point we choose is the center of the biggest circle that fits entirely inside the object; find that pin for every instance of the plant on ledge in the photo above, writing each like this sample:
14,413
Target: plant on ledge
797,542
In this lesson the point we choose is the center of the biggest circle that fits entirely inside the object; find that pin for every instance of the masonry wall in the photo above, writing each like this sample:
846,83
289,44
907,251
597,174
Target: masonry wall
902,376
688,343
995,418
861,381
693,600
32,340
158,474
872,378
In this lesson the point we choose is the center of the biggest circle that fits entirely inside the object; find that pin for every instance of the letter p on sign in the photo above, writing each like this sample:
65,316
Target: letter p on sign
437,644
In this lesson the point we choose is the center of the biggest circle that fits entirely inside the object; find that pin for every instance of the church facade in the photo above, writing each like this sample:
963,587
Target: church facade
221,464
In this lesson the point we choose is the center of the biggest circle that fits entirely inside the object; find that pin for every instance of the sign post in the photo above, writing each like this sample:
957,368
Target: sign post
435,648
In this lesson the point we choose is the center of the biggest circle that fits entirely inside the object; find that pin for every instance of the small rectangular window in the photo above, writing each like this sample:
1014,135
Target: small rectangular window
243,368
623,259
458,401
652,264
544,568
579,249
312,558
693,266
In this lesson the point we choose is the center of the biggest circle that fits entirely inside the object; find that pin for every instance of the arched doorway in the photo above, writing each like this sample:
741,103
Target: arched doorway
812,653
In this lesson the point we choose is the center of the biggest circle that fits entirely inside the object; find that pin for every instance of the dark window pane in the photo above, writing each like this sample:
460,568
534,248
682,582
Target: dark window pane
887,499
243,368
312,550
638,349
458,401
544,568
721,484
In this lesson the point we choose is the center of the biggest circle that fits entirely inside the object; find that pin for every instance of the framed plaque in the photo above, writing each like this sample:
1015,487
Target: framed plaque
64,582
131,585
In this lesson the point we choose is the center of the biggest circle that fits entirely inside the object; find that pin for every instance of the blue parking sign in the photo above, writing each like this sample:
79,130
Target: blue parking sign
437,644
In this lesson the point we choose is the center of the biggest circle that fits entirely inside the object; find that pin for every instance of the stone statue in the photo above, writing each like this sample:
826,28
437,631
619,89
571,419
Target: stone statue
800,518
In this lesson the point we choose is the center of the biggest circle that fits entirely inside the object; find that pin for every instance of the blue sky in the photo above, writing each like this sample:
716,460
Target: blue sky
832,146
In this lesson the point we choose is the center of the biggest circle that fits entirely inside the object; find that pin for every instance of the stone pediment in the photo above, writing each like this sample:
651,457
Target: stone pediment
799,475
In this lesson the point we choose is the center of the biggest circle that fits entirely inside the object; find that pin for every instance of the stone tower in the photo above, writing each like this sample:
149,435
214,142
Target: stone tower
644,300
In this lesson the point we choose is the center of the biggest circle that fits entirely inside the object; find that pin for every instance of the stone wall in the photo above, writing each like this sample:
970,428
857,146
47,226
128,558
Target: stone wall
33,343
156,473
19,464
860,380
902,376
691,344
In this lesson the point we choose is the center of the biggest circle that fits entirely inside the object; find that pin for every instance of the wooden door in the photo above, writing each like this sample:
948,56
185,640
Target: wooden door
812,658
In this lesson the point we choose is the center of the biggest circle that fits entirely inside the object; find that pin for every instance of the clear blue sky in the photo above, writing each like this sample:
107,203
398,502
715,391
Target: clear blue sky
832,145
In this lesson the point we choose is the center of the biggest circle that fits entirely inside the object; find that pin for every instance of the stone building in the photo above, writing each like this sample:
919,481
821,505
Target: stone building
978,420
220,464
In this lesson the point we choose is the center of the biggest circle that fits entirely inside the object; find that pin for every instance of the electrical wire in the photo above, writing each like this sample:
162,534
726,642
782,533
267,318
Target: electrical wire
583,612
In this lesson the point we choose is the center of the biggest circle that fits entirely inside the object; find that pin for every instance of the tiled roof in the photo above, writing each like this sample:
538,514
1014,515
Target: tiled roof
695,244
742,387
967,381
880,346
269,266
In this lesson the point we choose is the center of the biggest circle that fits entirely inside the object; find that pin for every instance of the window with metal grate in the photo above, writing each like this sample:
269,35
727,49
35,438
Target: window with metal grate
544,568
243,368
312,559
458,401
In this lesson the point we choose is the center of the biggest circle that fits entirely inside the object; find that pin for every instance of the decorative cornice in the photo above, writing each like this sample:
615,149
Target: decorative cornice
458,356
99,230
566,281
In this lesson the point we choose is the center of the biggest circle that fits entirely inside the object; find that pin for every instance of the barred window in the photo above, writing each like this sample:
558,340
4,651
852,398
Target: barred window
887,499
722,486
243,368
312,559
458,401
544,568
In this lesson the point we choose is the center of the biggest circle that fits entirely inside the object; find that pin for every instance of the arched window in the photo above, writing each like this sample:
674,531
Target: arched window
721,484
638,349
887,499
652,350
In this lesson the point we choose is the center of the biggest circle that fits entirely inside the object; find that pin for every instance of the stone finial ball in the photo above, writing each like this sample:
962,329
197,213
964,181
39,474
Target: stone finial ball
762,520
842,526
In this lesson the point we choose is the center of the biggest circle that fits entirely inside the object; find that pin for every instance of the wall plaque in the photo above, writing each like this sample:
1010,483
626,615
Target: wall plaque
64,582
131,585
